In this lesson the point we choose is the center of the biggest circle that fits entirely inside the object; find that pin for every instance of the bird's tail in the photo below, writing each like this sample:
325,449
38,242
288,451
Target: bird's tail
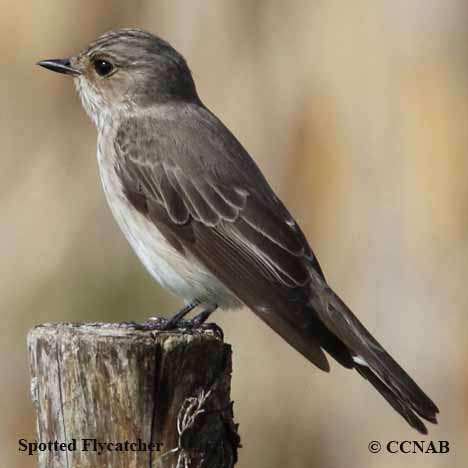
372,362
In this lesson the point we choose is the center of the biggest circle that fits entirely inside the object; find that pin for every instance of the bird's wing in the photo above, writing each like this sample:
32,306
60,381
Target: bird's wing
195,182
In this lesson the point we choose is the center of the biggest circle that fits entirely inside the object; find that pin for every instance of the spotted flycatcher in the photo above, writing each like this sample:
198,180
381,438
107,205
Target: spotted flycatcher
202,218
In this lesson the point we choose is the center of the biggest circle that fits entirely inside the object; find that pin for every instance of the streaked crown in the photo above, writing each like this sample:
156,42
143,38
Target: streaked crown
128,68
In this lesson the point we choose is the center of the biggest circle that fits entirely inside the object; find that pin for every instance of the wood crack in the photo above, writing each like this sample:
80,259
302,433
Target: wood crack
62,413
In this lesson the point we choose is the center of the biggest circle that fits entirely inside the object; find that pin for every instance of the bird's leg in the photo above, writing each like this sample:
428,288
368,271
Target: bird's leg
177,317
162,324
199,321
202,317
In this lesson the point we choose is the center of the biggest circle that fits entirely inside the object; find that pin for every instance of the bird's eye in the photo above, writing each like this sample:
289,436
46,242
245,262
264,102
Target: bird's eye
103,67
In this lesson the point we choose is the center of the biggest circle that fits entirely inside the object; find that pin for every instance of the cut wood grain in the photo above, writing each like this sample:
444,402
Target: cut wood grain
109,391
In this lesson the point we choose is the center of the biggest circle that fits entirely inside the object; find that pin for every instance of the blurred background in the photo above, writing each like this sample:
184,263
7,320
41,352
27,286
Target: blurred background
357,112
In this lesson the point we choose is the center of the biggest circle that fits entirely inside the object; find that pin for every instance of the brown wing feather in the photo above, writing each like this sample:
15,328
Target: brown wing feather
232,231
280,307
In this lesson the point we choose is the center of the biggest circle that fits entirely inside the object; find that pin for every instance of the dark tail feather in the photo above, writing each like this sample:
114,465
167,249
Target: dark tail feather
397,404
399,389
374,364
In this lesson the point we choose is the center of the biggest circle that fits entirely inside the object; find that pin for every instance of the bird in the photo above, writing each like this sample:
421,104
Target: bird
203,219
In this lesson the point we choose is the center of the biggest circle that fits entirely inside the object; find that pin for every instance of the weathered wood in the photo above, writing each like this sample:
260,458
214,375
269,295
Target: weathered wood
113,384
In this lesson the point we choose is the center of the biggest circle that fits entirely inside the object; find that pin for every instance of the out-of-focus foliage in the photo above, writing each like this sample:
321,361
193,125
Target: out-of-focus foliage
356,111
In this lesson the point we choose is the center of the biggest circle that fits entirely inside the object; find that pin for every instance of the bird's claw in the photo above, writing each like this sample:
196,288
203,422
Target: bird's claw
163,324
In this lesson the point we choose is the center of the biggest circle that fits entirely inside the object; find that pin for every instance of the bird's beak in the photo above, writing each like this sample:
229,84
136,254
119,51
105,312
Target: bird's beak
60,66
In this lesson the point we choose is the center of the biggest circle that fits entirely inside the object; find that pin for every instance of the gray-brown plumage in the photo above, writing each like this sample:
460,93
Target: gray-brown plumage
203,219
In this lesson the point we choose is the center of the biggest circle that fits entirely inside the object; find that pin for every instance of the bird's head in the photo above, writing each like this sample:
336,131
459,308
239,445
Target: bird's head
125,70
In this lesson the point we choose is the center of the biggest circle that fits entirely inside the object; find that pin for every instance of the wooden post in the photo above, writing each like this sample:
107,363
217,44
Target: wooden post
104,393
